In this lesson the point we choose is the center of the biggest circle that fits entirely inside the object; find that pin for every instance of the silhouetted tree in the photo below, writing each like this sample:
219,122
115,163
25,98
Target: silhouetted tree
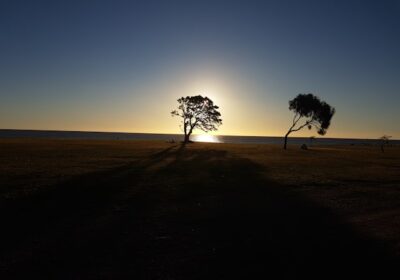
316,113
384,141
197,112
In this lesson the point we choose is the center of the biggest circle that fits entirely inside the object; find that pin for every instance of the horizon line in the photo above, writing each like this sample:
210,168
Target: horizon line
228,135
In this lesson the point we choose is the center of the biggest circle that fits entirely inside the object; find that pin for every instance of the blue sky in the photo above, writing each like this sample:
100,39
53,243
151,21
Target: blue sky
121,65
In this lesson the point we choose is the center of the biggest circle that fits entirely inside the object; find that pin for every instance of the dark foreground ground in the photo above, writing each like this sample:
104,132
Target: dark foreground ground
151,210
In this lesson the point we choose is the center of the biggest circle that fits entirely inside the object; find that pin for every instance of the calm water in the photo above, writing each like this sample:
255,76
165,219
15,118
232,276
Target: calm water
6,133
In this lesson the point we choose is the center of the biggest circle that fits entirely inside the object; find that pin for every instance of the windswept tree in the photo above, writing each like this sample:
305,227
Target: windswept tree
384,141
197,112
309,111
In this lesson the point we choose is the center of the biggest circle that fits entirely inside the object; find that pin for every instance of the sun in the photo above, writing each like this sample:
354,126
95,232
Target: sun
205,138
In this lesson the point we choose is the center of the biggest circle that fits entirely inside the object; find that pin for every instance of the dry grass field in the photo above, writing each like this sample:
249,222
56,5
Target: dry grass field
75,209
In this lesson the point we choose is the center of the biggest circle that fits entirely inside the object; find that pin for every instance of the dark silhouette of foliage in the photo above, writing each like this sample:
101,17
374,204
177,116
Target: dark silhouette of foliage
384,141
316,113
197,112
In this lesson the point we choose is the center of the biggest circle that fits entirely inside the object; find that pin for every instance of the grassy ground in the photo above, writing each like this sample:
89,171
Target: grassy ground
114,209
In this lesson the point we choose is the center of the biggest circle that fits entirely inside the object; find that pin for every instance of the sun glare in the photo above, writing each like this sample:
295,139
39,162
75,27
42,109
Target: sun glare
205,138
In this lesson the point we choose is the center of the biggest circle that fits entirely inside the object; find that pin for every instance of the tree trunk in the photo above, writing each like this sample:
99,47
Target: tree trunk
186,139
286,137
185,130
187,135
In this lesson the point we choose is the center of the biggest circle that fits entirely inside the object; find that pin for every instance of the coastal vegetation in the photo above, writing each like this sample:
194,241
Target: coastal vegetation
197,112
316,113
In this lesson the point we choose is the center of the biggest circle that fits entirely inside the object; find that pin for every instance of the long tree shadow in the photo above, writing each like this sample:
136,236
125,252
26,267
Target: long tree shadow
205,214
223,220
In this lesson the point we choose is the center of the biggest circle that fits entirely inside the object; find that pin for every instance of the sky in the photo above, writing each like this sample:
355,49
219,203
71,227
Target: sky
121,65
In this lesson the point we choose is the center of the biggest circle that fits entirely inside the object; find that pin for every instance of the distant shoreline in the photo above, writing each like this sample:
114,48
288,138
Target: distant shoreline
59,134
179,134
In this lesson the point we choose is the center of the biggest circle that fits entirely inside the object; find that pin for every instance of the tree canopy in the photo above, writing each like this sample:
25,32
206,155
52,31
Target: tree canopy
197,112
315,112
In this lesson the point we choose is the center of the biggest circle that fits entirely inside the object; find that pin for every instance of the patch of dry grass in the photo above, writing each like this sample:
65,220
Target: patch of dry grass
28,165
189,197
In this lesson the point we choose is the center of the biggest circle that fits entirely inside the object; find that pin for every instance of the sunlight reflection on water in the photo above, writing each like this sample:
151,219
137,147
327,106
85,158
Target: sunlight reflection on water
205,138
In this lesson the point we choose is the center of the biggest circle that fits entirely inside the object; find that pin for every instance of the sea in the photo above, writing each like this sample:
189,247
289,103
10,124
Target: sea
53,134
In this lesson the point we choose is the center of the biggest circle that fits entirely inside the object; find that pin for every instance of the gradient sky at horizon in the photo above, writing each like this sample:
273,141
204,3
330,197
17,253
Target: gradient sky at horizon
121,65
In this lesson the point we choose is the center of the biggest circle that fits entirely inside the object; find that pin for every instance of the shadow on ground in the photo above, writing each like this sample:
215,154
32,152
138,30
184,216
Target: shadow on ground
181,214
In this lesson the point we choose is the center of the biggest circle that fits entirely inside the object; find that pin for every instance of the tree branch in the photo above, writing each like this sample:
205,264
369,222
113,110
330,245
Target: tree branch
294,119
300,127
